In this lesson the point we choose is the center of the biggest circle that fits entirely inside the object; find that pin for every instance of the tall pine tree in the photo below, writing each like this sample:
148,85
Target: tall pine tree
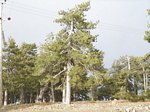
73,48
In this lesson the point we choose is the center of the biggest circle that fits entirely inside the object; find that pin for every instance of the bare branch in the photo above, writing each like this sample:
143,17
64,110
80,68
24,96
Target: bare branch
60,72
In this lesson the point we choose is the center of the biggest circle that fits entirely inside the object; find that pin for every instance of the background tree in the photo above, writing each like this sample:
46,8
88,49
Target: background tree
50,67
18,64
28,55
147,33
10,68
129,76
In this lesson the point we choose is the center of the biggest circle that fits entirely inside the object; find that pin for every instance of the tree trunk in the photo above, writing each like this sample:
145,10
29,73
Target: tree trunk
12,99
146,80
1,83
22,100
37,96
43,90
68,90
53,94
92,93
64,94
134,85
43,100
68,85
5,97
50,97
74,96
31,96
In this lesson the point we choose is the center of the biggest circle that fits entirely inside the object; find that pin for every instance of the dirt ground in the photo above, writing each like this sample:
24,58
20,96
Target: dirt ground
100,106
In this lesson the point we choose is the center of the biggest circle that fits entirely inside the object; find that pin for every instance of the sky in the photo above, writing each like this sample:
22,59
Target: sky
121,27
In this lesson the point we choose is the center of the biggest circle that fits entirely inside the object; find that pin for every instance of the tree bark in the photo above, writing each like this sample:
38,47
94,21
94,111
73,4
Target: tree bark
92,93
22,100
43,90
31,96
37,96
43,100
74,96
144,84
68,90
53,94
68,85
145,80
64,94
5,97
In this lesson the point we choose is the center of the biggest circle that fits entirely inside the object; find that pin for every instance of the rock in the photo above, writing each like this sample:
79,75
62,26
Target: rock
133,110
127,110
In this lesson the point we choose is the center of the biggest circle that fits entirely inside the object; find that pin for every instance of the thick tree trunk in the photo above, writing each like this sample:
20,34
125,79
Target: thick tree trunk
43,90
22,100
68,85
64,94
68,90
52,94
5,97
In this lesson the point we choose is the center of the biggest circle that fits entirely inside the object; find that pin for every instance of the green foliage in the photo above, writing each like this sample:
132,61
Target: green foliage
147,33
71,53
74,45
127,76
130,96
146,95
18,67
10,65
134,98
122,94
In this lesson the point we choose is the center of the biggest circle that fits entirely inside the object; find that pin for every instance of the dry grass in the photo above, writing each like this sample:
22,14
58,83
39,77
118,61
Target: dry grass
108,106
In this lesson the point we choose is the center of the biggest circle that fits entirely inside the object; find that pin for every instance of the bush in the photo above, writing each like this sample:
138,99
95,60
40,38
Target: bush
134,98
129,96
146,95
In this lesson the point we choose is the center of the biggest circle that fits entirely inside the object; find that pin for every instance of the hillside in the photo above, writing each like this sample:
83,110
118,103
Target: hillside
108,106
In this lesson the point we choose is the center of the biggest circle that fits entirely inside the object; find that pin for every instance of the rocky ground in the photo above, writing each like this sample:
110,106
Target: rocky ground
107,106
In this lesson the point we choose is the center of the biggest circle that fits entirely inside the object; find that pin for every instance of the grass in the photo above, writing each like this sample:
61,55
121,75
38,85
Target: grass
84,106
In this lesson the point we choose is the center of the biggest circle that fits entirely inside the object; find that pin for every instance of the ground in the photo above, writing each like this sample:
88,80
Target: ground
100,106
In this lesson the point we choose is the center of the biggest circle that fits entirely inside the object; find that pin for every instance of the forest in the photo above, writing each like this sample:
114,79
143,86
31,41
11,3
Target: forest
68,68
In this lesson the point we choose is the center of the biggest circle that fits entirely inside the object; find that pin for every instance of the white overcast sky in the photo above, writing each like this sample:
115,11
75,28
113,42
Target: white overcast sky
121,28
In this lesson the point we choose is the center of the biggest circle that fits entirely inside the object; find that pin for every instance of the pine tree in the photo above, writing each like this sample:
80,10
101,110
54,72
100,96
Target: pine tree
73,47
28,55
10,67
147,33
